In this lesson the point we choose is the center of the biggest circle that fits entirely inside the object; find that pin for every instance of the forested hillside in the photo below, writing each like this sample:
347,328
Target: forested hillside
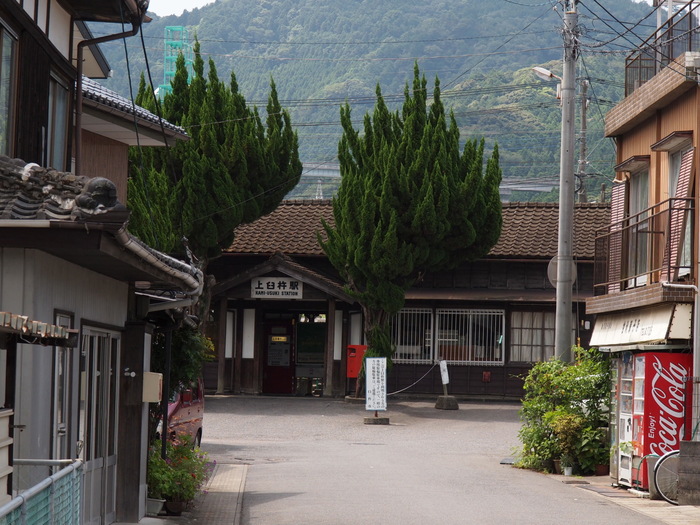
323,54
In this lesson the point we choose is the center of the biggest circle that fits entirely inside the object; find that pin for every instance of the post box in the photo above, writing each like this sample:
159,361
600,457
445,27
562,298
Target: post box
356,354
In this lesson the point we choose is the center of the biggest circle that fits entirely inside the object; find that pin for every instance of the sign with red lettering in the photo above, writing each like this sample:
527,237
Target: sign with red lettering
667,396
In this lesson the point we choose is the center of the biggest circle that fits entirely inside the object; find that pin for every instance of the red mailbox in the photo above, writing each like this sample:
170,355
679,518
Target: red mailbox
355,355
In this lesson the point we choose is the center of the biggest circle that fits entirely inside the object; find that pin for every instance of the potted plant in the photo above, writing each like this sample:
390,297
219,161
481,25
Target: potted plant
592,451
567,464
567,429
180,477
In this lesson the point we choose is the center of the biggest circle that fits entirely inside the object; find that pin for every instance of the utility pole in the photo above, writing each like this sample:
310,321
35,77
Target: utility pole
583,146
563,325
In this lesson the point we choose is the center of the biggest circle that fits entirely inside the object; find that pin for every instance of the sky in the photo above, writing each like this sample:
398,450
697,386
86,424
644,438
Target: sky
175,7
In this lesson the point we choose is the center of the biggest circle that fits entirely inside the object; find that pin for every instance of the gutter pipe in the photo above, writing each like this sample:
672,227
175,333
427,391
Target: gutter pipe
135,20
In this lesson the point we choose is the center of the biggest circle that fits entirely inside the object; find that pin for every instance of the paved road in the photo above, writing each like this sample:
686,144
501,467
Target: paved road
314,461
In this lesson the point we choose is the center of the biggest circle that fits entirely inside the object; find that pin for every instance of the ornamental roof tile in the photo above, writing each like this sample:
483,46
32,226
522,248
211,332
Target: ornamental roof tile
529,230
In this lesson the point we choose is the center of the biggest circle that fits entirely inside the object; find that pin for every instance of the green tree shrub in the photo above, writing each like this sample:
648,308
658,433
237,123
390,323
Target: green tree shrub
564,408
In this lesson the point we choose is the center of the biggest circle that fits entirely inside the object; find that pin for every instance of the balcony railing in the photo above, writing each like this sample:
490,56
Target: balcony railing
676,36
655,245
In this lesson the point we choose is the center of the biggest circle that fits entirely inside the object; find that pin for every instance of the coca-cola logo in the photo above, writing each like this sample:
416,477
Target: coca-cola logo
668,392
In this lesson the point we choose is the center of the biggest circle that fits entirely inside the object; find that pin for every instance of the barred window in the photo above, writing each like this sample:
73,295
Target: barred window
531,336
410,333
462,336
470,336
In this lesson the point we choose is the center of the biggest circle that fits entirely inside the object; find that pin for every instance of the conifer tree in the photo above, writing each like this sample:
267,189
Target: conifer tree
409,203
234,169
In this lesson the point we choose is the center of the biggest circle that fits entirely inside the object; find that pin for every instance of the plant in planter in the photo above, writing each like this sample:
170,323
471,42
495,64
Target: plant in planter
181,476
567,428
592,450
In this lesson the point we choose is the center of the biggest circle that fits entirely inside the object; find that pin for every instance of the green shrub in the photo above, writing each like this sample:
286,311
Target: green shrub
563,408
179,477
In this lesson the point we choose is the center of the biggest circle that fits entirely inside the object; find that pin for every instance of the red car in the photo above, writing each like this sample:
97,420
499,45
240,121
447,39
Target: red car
185,413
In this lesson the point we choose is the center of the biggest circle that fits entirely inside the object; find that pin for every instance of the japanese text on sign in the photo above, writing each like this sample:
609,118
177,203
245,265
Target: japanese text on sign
276,288
375,372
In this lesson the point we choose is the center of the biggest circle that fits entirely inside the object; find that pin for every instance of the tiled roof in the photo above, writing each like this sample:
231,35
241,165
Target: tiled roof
529,230
290,229
100,94
28,191
31,195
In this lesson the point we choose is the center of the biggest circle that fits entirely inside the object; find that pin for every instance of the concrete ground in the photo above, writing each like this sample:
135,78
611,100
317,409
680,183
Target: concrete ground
313,460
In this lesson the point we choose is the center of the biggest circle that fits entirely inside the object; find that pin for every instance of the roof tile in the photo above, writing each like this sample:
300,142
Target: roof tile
529,229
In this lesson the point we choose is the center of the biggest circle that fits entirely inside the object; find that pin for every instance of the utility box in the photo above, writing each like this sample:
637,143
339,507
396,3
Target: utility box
356,354
152,387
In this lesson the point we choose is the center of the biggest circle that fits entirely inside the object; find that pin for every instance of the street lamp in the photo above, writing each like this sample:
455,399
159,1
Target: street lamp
546,74
565,262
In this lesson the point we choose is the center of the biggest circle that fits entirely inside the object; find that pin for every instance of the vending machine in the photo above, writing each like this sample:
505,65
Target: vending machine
654,396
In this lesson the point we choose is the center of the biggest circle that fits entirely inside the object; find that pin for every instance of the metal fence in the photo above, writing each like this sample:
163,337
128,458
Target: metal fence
57,499
652,246
679,34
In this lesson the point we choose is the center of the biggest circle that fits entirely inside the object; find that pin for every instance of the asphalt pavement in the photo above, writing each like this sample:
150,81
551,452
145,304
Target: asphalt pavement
313,460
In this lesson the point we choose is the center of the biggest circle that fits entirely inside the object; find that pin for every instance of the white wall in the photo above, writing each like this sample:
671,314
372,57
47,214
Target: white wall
248,334
34,284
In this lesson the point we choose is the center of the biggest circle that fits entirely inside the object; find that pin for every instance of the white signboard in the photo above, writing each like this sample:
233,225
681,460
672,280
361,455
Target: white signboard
443,373
276,288
636,326
375,378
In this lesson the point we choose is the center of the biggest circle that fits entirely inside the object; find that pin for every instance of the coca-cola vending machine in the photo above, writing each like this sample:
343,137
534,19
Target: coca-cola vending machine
654,395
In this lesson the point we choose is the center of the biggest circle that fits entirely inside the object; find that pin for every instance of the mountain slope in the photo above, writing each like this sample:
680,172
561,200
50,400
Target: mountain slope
482,52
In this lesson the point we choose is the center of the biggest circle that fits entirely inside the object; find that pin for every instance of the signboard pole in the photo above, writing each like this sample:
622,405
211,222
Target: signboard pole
445,402
375,396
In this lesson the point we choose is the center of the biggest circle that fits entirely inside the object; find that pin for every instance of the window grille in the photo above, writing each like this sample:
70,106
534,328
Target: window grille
467,337
531,336
463,336
410,333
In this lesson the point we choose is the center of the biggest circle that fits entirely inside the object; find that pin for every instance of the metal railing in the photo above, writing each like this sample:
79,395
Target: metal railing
57,499
674,37
655,245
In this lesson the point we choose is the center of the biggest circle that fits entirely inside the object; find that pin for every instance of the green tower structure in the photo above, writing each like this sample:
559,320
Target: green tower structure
176,43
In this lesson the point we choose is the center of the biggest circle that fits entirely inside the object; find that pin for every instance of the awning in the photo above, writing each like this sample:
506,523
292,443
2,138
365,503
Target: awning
46,333
635,329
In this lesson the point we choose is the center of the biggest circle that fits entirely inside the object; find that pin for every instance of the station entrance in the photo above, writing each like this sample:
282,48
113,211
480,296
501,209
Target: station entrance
293,353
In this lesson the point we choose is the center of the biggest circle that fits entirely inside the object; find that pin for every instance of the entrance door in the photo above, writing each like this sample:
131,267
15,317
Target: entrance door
99,395
279,363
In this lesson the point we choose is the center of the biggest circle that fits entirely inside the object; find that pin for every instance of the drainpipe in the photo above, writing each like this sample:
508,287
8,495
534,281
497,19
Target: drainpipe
135,20
695,378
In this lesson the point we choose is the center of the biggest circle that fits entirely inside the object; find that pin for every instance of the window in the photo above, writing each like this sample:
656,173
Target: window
679,172
638,247
62,393
462,336
8,57
410,333
531,336
56,139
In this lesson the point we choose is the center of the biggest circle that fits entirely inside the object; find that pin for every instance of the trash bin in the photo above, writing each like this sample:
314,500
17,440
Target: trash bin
356,354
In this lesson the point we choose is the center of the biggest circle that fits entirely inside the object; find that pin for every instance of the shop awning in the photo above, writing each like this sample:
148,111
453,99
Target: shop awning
668,324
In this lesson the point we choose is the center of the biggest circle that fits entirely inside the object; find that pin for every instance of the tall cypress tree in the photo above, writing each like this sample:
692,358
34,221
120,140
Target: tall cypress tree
234,168
409,202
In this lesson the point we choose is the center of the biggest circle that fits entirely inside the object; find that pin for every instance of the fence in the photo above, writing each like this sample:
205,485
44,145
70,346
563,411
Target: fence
57,499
